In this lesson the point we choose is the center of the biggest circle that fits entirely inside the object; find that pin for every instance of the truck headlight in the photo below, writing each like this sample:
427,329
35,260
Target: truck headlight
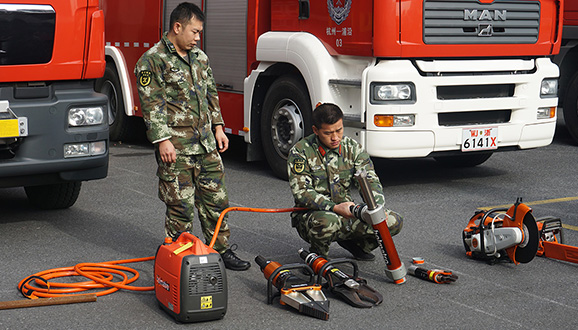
84,149
392,92
549,88
85,116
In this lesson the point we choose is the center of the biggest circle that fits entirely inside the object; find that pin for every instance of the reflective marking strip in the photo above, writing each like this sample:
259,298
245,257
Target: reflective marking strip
546,201
575,228
129,44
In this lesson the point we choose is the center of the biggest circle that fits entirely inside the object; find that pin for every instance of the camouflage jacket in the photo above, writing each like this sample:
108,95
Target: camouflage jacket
179,100
320,178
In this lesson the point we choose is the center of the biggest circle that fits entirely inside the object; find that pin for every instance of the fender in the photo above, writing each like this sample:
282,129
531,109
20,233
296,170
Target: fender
123,74
324,74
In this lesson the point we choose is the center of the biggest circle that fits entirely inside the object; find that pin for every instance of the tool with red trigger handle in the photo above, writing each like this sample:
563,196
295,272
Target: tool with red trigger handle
435,275
551,243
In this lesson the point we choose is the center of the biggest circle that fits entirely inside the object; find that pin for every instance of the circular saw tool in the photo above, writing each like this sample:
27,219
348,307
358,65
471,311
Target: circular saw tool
502,234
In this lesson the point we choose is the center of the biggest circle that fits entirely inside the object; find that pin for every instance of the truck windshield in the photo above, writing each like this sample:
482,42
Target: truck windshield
26,34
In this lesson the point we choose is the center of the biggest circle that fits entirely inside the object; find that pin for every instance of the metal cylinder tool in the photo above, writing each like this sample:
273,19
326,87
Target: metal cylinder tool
374,215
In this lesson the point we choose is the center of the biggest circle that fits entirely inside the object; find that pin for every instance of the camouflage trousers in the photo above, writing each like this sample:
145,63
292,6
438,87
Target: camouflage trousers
320,228
195,181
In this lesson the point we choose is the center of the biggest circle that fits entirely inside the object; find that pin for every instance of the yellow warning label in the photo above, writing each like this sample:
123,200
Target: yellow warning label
9,128
207,302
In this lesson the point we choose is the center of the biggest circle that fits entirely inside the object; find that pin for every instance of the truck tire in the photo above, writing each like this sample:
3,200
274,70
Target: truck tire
54,196
120,125
570,107
286,119
467,160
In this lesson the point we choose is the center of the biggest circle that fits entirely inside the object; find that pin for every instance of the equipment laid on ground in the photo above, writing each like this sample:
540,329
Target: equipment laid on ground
552,241
493,235
192,272
435,275
305,296
101,276
353,289
190,280
375,216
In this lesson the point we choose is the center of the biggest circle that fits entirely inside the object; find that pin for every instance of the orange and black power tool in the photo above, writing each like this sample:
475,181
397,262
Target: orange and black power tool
190,280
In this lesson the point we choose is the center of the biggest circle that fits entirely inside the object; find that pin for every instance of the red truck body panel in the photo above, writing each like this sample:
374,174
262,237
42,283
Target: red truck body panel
571,12
51,53
69,59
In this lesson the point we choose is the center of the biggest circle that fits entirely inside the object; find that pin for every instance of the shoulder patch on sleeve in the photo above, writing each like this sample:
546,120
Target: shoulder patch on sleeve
144,78
298,165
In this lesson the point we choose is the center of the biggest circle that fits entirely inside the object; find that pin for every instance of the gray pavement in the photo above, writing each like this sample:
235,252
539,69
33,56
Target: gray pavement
121,217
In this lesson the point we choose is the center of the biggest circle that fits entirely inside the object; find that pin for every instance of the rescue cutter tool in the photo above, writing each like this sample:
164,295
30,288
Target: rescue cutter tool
494,235
375,216
352,289
305,296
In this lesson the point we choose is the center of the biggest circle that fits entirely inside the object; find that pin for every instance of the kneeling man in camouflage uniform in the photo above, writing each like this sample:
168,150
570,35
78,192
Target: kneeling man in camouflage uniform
321,168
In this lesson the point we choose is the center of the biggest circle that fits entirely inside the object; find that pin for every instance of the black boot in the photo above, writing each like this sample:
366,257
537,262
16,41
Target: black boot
233,262
356,251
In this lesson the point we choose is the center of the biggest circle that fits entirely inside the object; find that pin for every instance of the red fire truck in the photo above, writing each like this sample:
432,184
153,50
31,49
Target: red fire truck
567,59
454,80
53,128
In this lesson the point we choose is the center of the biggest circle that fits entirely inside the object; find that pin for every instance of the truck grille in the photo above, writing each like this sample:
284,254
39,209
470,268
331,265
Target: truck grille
26,34
472,22
474,118
475,91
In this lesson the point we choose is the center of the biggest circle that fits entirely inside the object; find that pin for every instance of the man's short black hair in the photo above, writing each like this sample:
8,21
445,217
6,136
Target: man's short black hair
326,113
184,12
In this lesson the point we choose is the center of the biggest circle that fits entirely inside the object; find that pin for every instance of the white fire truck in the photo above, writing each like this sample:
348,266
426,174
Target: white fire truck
453,80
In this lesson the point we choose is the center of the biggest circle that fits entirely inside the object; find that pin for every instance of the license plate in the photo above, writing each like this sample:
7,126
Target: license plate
483,138
9,128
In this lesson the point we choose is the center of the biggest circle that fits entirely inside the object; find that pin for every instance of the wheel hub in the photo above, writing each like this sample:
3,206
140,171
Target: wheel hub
286,127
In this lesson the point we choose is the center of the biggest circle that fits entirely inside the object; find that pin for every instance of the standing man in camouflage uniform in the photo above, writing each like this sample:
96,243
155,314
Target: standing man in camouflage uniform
183,119
321,173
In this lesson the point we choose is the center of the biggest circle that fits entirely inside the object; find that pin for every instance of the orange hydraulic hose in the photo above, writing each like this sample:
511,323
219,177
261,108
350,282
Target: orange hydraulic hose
101,274
248,209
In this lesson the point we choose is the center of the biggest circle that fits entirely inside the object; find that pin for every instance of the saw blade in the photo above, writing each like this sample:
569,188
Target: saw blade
527,249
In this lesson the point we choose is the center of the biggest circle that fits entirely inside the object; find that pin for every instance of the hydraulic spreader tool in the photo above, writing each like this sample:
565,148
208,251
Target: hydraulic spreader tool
351,288
375,216
494,235
304,295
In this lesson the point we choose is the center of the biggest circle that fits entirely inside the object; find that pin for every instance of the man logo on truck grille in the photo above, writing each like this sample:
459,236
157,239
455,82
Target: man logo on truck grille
339,10
485,30
485,15
144,78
